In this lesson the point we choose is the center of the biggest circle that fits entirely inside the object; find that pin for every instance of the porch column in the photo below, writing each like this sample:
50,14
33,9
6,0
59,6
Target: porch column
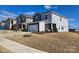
52,27
21,26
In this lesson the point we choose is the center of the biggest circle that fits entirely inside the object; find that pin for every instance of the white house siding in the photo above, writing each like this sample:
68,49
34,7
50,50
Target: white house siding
22,20
29,20
41,26
14,22
59,23
25,19
48,20
65,24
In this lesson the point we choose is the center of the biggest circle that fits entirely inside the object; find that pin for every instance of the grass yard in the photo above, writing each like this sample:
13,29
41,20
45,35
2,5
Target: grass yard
50,42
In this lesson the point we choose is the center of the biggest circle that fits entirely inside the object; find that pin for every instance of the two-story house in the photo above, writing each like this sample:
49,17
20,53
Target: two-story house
9,23
22,21
48,21
2,25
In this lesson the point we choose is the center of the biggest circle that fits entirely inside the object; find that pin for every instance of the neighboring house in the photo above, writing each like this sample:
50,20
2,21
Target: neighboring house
48,21
74,30
9,23
77,30
2,25
22,21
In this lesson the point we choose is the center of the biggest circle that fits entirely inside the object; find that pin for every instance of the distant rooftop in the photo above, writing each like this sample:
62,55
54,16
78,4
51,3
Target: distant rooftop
28,16
10,19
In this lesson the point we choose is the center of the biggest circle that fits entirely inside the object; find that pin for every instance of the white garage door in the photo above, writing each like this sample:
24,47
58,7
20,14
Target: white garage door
33,28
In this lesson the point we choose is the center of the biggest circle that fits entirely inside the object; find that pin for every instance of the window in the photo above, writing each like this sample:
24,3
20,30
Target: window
45,16
62,27
37,17
60,19
22,20
59,27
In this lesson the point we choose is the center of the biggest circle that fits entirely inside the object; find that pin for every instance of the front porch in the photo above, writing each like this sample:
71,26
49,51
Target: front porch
51,27
21,27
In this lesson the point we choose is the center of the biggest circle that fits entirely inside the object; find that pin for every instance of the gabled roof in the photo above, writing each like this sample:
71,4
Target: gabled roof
55,13
25,15
37,13
9,18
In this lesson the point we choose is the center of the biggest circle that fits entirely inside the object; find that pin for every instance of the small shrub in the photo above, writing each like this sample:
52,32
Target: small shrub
26,35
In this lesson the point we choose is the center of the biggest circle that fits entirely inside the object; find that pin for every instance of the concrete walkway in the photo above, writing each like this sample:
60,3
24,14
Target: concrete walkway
17,47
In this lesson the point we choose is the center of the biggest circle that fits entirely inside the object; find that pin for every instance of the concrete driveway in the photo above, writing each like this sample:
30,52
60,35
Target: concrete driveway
15,47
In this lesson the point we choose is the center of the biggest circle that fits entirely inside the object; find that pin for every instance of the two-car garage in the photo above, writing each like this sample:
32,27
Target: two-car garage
36,27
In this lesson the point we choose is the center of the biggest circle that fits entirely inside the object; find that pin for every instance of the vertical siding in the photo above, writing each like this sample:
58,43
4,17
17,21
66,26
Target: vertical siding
63,22
41,26
29,20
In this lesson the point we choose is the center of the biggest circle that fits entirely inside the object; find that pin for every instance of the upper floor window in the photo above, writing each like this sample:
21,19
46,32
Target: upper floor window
37,17
45,16
60,19
22,19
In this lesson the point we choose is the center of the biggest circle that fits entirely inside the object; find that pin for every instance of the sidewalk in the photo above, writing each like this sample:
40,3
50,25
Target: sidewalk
17,47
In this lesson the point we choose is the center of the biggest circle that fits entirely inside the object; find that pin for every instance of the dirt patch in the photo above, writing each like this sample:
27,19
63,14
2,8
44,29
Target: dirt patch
4,50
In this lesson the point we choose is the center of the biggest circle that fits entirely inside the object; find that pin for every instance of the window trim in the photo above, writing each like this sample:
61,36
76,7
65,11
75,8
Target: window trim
60,19
46,16
62,27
